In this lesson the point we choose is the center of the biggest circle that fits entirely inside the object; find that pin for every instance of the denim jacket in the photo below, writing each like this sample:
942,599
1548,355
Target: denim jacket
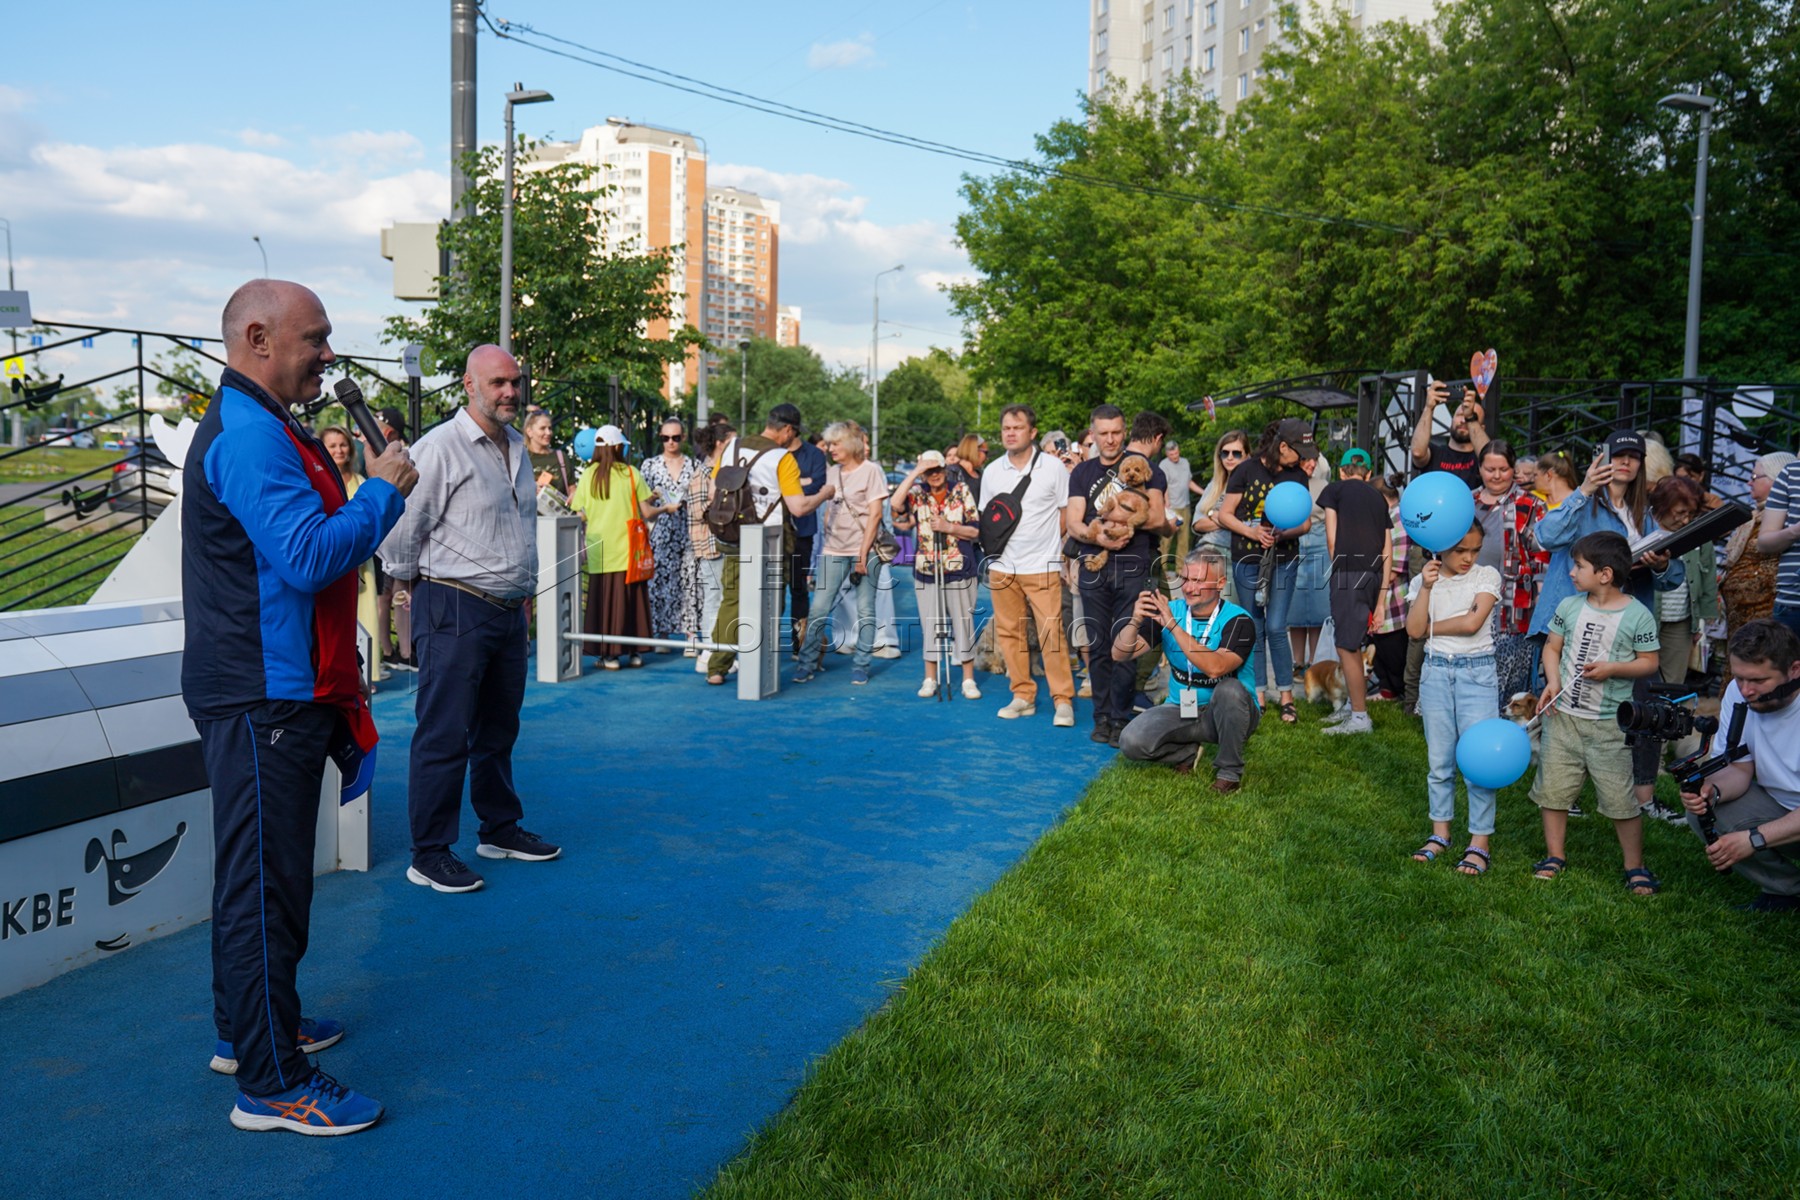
1567,524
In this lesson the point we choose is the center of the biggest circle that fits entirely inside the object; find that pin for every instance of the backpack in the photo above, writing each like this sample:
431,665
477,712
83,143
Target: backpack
1000,515
733,500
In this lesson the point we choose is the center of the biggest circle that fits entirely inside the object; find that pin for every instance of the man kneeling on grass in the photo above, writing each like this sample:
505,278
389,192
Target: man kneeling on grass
1212,674
1755,802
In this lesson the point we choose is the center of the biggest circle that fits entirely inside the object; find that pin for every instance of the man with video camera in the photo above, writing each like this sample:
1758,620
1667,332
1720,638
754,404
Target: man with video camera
1749,810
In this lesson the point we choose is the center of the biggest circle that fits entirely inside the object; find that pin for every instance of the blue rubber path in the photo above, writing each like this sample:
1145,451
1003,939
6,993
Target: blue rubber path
742,884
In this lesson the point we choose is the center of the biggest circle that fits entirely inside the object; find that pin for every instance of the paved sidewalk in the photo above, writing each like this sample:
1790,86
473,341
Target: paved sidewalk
742,885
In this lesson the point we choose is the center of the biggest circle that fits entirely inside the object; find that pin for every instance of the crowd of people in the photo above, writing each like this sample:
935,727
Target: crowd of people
1114,570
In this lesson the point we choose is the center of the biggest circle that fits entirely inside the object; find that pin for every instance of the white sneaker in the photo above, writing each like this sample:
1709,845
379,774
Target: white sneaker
1065,714
970,691
1338,715
928,689
700,662
888,652
1356,722
1017,708
1086,690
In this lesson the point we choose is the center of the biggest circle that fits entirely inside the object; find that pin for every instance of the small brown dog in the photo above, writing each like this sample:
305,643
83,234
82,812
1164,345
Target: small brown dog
1325,679
1125,510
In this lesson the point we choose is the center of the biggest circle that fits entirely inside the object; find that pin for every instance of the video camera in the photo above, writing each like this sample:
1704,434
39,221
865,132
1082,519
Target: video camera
1663,716
1691,772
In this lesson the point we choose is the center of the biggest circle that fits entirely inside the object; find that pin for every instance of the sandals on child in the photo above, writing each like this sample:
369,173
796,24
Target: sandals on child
1468,867
1548,868
1640,877
1426,853
1289,714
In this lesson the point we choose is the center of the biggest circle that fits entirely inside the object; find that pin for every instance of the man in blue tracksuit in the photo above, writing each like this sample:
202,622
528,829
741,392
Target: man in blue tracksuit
270,547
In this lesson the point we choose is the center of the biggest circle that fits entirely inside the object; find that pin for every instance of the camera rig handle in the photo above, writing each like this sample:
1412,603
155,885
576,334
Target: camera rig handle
1693,770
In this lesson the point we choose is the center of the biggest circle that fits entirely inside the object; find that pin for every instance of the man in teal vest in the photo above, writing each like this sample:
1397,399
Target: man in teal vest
1211,649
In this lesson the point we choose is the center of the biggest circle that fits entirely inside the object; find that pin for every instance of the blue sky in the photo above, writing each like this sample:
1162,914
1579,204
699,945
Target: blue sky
142,146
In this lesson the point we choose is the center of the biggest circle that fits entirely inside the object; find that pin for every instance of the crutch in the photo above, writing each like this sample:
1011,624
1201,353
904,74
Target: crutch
940,624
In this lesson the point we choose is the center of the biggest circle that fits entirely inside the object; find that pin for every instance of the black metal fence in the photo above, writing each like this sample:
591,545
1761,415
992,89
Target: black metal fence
61,537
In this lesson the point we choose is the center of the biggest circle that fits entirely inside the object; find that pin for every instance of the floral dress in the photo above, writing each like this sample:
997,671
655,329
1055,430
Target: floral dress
675,588
1521,567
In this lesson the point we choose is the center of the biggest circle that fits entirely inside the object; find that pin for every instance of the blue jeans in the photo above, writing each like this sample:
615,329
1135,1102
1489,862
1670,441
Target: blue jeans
833,569
1456,694
1789,616
1271,618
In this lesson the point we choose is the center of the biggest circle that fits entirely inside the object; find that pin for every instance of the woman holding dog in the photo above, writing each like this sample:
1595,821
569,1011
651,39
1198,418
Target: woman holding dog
948,521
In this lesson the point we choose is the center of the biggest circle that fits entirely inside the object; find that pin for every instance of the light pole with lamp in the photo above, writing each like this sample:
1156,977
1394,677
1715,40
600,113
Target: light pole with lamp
18,417
517,96
257,238
1694,102
875,368
743,386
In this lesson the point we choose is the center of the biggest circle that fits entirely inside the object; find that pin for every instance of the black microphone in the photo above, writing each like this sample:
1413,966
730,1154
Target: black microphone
351,397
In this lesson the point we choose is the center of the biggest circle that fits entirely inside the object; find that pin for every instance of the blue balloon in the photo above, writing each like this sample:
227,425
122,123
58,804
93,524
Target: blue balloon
584,444
1493,754
1437,509
1287,505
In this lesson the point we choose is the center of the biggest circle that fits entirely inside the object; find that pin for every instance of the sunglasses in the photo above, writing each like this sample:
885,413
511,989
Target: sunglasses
1234,454
671,437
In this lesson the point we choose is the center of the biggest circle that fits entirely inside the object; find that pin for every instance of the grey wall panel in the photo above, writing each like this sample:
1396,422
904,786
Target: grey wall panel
40,694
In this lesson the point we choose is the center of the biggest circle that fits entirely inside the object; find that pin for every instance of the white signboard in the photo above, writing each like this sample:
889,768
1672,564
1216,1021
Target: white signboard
15,309
410,359
89,890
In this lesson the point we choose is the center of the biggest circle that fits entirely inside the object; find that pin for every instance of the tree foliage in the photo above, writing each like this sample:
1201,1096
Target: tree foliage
1393,199
580,304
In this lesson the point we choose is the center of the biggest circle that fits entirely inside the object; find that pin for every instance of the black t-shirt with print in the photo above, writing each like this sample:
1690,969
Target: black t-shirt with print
1096,482
1252,482
1362,525
1464,464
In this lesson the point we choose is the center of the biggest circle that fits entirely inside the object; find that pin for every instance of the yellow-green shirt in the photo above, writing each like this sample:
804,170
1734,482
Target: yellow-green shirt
608,542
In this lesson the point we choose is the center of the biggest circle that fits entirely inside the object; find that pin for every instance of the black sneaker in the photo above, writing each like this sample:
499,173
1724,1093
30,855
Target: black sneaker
442,871
403,664
518,843
1771,902
1102,733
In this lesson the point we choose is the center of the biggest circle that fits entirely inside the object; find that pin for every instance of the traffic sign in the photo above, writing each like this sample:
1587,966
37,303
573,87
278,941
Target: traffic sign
15,309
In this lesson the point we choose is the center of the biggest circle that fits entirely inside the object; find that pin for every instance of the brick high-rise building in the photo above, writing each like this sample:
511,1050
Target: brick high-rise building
1148,43
743,253
787,325
725,278
660,201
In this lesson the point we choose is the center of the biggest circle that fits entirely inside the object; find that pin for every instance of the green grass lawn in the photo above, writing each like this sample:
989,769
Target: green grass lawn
1180,995
44,463
65,566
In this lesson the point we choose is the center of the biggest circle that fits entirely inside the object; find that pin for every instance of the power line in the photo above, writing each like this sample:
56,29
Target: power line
647,73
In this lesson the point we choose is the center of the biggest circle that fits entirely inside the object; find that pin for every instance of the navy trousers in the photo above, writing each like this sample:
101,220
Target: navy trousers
1107,598
265,767
471,655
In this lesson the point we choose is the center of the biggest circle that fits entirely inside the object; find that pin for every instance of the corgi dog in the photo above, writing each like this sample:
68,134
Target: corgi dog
1325,680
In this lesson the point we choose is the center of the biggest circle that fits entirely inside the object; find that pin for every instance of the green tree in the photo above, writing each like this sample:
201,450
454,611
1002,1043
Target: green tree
580,304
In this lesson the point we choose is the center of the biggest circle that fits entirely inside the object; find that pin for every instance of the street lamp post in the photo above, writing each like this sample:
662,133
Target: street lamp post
743,386
1694,102
875,367
10,286
517,96
257,238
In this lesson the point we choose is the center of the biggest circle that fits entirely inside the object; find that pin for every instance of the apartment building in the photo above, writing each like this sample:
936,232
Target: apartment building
1149,43
787,325
743,255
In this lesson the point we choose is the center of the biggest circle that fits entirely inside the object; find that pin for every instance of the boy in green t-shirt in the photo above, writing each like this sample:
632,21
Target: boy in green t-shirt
1600,641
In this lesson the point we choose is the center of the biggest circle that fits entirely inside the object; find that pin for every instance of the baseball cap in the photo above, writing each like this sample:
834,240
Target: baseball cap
785,414
930,458
611,435
1356,457
1297,435
1625,442
393,420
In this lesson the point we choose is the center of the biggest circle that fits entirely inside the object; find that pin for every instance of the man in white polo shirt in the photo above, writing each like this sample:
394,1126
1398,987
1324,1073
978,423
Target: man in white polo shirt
1027,571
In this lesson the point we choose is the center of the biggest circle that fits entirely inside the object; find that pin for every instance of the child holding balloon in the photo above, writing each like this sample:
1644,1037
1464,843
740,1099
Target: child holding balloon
1457,687
1601,641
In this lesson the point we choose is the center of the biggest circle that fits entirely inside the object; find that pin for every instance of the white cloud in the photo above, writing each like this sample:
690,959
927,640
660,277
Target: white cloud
258,139
157,236
385,146
831,56
831,251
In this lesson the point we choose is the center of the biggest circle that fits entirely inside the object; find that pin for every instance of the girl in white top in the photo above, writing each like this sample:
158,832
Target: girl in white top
1458,687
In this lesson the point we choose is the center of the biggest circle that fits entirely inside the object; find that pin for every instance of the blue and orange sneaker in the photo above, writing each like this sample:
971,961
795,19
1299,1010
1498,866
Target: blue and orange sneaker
315,1035
320,1107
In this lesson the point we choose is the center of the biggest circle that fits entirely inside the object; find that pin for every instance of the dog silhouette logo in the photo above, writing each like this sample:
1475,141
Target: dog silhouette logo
126,875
